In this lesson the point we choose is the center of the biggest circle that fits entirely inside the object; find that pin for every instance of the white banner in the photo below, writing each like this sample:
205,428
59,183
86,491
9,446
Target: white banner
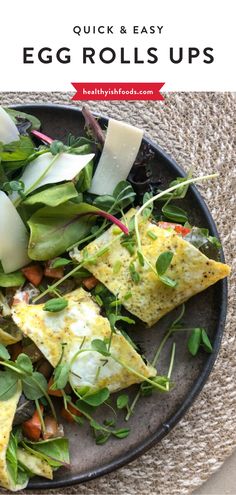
46,45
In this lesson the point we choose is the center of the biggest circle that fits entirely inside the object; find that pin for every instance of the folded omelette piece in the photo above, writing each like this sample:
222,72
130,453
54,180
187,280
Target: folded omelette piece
148,298
7,413
76,326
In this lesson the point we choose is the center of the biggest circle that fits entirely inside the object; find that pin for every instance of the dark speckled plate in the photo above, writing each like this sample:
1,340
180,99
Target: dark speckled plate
156,415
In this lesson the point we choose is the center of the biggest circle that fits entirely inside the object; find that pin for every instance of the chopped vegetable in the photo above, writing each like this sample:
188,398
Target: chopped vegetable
53,272
32,428
33,273
179,229
90,282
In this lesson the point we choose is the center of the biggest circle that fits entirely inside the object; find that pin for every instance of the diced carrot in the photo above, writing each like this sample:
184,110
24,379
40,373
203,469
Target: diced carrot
54,272
90,282
55,393
33,273
15,350
32,427
67,413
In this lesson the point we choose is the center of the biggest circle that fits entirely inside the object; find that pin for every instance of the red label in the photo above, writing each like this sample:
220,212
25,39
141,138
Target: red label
117,91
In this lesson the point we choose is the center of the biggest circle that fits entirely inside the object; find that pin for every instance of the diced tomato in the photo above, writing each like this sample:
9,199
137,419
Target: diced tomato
55,393
179,229
182,230
33,273
90,282
32,427
53,272
67,413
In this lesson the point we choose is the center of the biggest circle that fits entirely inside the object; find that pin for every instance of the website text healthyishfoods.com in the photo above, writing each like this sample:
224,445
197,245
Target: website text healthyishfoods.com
118,91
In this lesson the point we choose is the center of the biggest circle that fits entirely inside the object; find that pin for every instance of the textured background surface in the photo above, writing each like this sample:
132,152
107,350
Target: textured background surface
196,129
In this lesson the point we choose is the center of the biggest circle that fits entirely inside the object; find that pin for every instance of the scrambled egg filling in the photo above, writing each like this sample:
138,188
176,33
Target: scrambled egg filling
76,326
151,299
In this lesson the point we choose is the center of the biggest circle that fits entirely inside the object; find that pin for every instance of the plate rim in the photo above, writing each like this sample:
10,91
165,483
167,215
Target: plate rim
198,383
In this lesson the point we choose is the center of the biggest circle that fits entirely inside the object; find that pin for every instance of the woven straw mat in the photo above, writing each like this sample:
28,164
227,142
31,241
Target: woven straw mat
196,129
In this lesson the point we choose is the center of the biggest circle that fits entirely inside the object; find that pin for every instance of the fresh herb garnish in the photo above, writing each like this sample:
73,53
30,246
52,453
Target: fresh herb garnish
199,338
174,213
162,264
135,276
55,305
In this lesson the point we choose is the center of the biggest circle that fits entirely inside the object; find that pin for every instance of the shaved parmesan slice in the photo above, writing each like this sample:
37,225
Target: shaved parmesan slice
65,167
13,235
8,130
120,150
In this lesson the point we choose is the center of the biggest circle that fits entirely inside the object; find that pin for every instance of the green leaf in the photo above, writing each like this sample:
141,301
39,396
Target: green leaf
94,424
11,458
16,115
148,210
194,341
54,450
102,438
53,230
35,386
61,376
13,185
105,202
24,363
122,401
53,196
100,346
55,305
122,433
60,262
57,147
14,155
84,407
109,422
123,195
14,279
133,273
85,177
206,341
174,213
97,398
4,354
8,384
167,281
163,262
140,258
